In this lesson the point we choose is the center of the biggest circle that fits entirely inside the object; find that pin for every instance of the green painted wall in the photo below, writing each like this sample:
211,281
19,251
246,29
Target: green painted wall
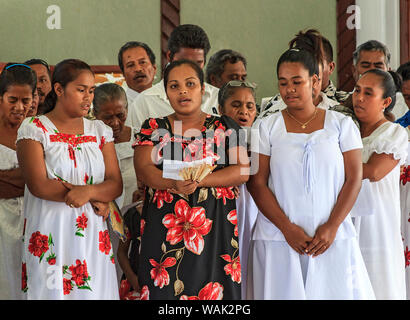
94,30
260,29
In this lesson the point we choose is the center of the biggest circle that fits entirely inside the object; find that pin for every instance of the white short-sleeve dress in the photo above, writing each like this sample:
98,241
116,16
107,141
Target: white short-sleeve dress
306,176
11,231
67,252
379,234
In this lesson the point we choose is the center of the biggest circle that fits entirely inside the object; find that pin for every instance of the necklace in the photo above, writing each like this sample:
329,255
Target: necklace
303,125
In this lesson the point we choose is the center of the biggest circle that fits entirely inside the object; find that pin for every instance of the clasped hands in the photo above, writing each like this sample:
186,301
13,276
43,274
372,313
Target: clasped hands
78,196
188,187
299,241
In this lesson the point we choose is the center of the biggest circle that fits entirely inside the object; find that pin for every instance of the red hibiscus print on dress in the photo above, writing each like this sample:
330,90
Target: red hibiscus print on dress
159,274
67,286
225,193
79,276
81,224
233,268
405,176
233,218
160,196
153,126
105,243
188,224
407,256
212,291
38,244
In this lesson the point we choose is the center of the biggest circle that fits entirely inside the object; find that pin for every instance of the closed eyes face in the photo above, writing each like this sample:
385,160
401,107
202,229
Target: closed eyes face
370,60
241,107
113,113
15,103
295,84
43,81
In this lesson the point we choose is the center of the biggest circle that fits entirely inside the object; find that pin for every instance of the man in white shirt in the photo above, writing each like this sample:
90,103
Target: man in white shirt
137,63
185,42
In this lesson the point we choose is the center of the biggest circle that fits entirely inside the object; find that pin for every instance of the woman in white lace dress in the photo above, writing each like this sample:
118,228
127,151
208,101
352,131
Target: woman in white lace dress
69,163
17,85
384,150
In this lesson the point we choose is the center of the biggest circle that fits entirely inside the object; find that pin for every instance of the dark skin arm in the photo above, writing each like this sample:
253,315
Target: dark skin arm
122,254
9,191
378,166
31,162
266,201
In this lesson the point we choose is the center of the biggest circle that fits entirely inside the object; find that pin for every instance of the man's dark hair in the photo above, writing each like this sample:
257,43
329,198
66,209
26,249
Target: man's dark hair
135,44
217,62
39,61
188,36
404,71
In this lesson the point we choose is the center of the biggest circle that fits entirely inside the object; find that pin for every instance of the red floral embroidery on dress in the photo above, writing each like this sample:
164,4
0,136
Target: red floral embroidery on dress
102,143
407,256
79,277
233,268
24,287
405,176
160,196
105,243
73,142
159,274
127,294
225,193
233,218
38,124
212,291
188,224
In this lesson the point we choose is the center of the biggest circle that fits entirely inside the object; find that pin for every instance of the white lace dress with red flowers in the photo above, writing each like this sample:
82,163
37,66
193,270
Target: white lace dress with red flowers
405,215
189,245
67,251
306,176
11,228
379,234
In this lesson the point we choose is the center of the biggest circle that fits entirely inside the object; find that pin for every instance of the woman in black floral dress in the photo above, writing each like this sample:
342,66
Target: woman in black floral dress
189,237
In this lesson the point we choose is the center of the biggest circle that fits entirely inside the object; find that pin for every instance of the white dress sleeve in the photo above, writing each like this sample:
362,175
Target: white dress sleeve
104,132
260,137
349,138
32,128
392,140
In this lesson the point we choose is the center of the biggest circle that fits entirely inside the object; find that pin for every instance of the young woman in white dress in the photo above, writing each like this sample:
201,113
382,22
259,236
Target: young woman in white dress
384,150
304,244
236,99
68,163
17,86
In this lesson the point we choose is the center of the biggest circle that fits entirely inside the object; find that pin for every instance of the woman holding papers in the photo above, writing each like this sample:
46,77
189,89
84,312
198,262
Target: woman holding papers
189,237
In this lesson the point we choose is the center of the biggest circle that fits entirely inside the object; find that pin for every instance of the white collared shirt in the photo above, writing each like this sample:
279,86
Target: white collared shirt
131,95
153,103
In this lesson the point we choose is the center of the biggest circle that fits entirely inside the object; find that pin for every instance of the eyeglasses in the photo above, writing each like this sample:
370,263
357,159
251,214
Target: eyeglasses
237,83
17,64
